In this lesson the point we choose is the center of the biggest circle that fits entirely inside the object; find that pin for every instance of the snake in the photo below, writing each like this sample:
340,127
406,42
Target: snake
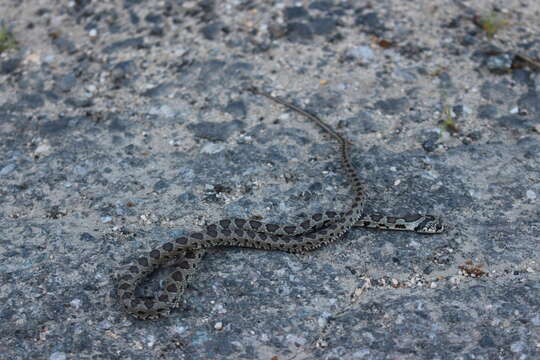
185,252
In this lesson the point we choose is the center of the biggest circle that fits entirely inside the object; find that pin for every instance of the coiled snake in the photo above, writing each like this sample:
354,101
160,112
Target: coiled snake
318,230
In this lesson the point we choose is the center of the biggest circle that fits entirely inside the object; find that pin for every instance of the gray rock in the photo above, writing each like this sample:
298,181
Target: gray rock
294,12
236,109
32,101
392,106
153,18
512,121
64,45
212,30
498,92
430,145
136,42
67,82
161,185
487,111
9,66
501,63
58,355
323,26
6,170
370,23
362,52
530,102
322,5
79,103
215,131
299,32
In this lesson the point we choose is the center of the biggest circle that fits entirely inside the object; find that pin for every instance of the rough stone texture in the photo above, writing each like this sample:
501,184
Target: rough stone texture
123,123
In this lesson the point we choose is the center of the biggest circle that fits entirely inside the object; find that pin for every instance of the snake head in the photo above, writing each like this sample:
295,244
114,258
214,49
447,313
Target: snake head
430,224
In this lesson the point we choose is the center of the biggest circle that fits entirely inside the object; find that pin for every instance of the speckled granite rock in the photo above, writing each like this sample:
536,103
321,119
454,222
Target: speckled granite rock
125,123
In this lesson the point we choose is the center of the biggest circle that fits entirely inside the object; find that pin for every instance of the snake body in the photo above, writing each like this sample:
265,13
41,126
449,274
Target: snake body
316,231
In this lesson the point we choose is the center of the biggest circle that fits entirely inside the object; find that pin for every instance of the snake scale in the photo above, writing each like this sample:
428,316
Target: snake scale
185,252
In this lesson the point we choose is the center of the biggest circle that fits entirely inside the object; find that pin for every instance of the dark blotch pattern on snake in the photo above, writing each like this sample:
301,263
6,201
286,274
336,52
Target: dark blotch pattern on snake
320,229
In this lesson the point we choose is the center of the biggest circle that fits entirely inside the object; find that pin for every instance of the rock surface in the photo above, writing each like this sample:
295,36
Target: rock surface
124,123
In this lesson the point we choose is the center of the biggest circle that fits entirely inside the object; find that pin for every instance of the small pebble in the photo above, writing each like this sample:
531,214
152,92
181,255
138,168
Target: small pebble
91,88
358,292
218,325
93,34
277,30
430,145
212,148
43,149
499,63
104,325
151,341
322,321
475,135
517,347
467,110
75,303
284,117
106,219
322,344
362,52
58,356
7,169
531,195
189,5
